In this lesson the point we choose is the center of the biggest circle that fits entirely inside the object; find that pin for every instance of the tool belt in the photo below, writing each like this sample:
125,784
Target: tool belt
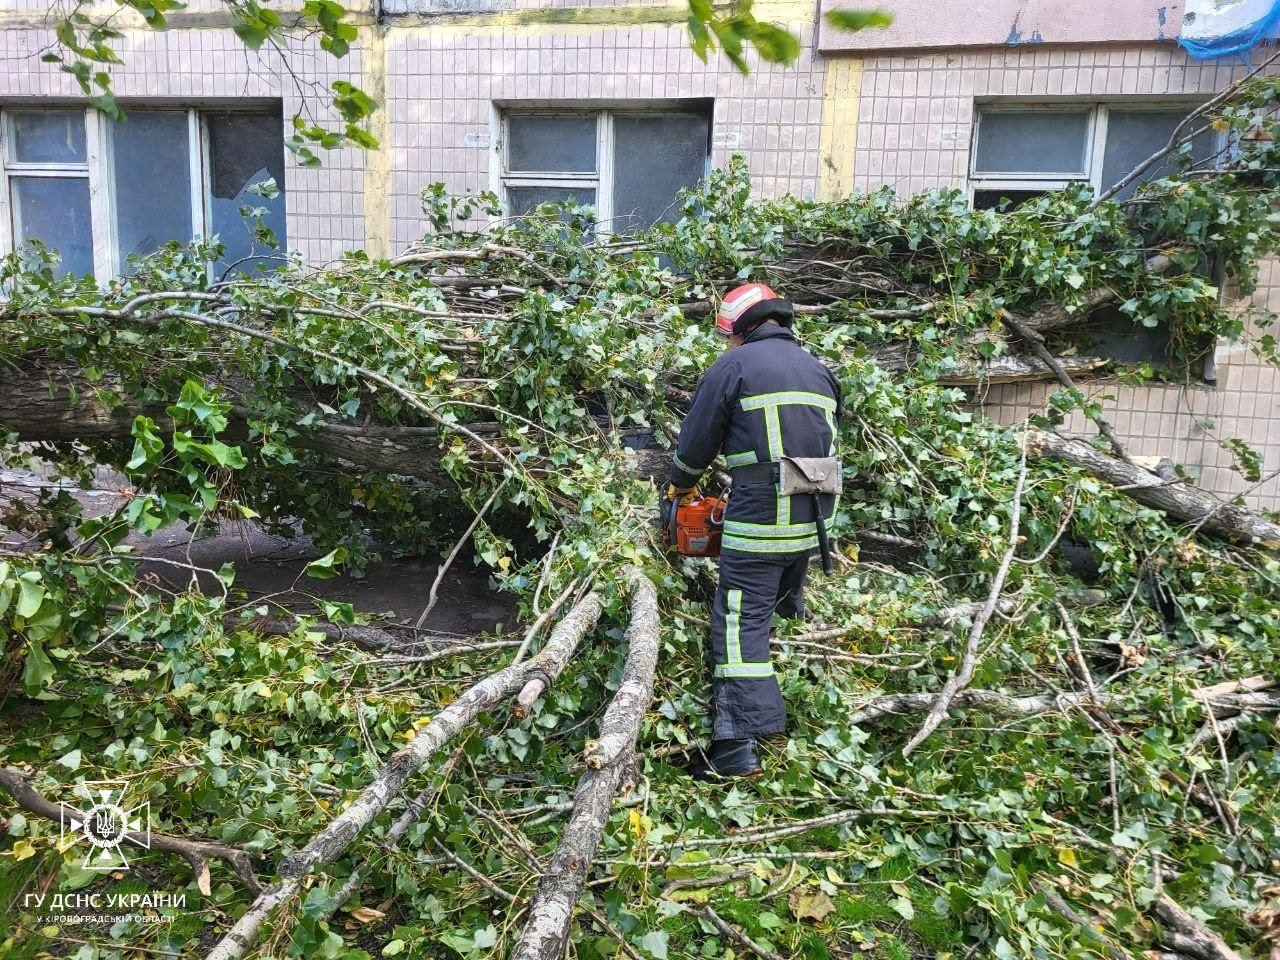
793,475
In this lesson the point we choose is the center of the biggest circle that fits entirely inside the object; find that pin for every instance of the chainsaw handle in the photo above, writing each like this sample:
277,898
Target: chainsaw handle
718,518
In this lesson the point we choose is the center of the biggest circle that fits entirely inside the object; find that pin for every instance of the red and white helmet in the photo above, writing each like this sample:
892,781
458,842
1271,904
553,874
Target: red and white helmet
749,305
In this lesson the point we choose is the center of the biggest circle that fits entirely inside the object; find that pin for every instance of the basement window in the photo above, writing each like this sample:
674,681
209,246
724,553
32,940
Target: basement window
629,163
100,192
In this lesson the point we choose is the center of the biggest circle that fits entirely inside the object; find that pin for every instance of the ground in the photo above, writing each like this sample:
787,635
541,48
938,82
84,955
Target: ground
269,565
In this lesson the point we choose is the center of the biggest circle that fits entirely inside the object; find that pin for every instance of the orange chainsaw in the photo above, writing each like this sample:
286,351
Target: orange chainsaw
694,529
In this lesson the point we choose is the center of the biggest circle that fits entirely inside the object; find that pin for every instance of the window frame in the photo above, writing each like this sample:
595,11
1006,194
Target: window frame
1095,146
602,181
99,168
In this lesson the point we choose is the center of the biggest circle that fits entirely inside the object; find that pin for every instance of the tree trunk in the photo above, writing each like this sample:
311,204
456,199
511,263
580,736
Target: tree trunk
551,912
56,404
1178,500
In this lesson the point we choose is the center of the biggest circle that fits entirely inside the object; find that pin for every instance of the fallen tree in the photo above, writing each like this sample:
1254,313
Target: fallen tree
508,390
608,758
334,840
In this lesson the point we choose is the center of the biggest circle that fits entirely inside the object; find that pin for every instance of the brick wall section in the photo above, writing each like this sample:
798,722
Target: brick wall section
440,123
915,126
324,205
915,122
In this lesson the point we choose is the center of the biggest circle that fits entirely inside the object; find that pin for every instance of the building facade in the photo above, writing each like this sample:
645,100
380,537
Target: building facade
607,103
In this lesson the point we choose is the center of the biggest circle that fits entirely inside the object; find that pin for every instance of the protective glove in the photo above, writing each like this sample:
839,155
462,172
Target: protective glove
673,496
682,495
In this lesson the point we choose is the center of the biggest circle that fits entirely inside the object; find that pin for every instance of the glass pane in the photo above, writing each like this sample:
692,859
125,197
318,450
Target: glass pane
152,182
654,158
1134,135
53,136
523,199
1032,141
553,144
55,211
245,149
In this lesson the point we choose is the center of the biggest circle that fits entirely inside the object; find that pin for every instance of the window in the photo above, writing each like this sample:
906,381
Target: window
99,192
627,163
1023,150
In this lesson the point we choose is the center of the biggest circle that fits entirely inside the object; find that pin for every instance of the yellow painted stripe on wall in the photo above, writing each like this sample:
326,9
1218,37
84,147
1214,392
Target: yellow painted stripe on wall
838,143
378,164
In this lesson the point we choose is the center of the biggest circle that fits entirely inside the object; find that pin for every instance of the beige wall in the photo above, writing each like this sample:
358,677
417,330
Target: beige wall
442,84
962,23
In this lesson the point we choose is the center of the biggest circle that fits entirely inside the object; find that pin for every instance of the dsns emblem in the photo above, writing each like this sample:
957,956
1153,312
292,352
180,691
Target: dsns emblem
107,824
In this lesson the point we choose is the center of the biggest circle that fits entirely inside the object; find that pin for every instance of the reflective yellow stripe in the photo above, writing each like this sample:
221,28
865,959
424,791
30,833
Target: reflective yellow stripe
734,665
744,670
733,617
755,545
788,530
764,400
681,465
741,459
773,427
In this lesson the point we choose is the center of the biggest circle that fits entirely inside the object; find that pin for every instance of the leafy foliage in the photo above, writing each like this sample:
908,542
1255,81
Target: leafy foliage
526,355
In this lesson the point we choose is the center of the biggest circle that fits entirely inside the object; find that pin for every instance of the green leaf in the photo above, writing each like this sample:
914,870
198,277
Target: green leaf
70,760
251,33
37,669
774,44
327,566
654,943
147,445
30,595
857,19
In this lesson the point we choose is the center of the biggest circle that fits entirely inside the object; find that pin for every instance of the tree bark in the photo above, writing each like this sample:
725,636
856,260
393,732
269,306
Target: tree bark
1177,500
343,830
57,405
546,930
1187,935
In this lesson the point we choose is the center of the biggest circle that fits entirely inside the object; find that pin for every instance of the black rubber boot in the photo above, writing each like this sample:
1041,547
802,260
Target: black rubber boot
727,758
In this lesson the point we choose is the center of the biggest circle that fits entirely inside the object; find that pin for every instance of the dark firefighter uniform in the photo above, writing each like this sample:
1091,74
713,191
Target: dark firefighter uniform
759,401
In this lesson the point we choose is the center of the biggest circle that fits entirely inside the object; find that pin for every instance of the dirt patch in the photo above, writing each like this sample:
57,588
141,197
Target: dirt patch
270,567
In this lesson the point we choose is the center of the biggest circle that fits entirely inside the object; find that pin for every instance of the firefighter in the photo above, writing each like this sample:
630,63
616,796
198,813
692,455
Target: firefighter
765,398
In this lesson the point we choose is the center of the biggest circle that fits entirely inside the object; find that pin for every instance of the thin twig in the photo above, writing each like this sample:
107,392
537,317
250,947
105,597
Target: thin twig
453,554
962,677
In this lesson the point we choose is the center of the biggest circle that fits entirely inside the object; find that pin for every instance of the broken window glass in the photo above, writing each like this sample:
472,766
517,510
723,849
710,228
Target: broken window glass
246,150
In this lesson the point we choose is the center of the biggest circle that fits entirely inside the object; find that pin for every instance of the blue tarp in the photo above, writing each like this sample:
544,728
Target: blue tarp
1238,42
